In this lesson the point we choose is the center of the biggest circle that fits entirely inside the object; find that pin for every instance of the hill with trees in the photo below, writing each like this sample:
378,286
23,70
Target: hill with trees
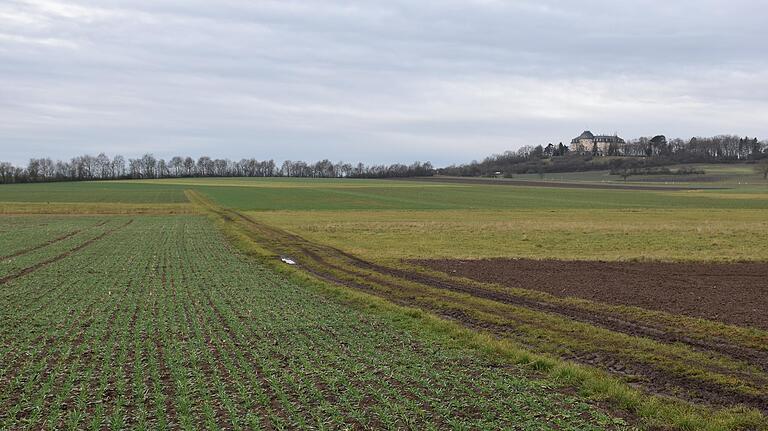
638,154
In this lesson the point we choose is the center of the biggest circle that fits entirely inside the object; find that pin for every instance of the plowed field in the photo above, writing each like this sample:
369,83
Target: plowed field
734,293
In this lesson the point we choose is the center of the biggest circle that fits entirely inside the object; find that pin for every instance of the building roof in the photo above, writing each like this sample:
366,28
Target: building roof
584,135
598,138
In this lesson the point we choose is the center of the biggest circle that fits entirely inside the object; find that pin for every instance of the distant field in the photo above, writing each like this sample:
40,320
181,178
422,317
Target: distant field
400,195
423,220
92,192
714,174
574,234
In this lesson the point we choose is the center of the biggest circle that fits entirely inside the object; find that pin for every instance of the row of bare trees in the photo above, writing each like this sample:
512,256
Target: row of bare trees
102,167
719,148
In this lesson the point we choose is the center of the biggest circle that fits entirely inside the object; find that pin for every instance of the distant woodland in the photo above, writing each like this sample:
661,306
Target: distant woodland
102,167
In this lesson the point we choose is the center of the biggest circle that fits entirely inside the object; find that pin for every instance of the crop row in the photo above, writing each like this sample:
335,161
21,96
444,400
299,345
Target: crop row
161,325
21,255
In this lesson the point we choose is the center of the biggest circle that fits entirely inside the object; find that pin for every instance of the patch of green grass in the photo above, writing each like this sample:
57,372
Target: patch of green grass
573,234
377,195
92,191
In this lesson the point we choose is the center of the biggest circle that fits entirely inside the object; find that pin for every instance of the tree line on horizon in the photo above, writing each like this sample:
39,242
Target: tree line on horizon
640,153
102,167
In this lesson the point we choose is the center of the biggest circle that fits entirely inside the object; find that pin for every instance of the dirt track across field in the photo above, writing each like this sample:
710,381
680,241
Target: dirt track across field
734,293
555,184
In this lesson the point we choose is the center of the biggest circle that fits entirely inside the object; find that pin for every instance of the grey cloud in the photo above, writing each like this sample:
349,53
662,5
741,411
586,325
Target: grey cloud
446,80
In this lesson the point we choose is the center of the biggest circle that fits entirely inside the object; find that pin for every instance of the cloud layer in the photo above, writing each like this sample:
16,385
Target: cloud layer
445,80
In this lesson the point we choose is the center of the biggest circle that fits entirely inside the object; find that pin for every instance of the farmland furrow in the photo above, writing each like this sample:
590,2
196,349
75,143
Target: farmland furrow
604,318
318,391
692,388
101,386
652,378
244,343
205,366
213,411
409,386
163,381
26,294
94,356
61,256
39,246
39,366
247,360
277,408
219,362
44,345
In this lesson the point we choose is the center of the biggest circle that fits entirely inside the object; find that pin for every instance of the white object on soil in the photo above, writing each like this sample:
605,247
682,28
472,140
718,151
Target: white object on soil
288,261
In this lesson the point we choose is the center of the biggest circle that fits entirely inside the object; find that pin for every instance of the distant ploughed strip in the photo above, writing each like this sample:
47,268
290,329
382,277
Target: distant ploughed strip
734,293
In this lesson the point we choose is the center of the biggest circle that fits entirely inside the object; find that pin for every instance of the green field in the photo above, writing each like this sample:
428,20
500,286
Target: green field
268,195
145,321
162,305
714,174
92,192
573,234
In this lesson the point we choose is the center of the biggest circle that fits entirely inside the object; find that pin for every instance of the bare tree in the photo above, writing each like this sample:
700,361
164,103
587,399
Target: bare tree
103,166
762,168
6,172
162,170
176,165
135,168
205,166
118,166
148,166
189,166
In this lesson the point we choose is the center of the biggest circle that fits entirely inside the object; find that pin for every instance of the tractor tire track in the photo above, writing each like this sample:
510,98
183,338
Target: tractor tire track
51,241
35,267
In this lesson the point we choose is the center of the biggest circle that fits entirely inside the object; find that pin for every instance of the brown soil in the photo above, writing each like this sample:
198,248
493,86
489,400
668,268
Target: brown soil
735,293
651,378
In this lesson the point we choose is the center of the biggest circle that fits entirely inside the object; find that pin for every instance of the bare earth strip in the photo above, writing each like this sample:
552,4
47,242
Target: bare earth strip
732,293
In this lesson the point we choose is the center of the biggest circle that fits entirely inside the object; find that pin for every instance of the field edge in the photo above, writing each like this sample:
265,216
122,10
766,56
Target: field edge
651,411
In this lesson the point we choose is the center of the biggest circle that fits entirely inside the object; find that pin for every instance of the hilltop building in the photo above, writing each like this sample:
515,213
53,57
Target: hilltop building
601,145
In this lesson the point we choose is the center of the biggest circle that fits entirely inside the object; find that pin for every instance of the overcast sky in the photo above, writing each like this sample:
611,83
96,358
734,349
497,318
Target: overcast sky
376,81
